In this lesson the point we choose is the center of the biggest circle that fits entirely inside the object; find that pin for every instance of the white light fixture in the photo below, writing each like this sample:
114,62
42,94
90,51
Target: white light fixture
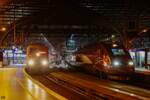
114,45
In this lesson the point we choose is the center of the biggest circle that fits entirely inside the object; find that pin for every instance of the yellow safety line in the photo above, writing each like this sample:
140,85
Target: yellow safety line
45,88
25,88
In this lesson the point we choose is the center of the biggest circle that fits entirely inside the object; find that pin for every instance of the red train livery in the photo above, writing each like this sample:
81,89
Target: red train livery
105,60
37,59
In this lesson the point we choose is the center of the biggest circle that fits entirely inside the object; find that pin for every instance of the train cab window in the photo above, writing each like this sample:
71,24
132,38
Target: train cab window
117,51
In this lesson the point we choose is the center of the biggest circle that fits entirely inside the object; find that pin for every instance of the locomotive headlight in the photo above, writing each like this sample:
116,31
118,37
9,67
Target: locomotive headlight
37,54
116,63
130,63
31,62
44,62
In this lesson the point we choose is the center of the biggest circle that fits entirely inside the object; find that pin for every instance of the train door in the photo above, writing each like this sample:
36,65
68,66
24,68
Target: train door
104,58
99,58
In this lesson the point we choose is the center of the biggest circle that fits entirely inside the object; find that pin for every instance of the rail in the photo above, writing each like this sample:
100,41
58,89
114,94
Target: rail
97,92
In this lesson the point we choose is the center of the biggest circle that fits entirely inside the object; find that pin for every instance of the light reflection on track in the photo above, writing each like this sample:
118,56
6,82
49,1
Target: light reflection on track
100,86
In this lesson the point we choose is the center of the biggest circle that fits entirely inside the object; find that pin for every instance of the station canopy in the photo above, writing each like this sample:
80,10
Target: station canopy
127,17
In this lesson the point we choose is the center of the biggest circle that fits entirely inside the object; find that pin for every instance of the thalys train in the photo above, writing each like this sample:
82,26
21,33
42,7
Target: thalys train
105,60
37,59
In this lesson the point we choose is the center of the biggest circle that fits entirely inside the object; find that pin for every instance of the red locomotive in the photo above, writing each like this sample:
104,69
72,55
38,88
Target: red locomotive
37,59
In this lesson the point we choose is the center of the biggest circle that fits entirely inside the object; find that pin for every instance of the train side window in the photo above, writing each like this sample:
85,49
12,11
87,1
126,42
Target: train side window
100,55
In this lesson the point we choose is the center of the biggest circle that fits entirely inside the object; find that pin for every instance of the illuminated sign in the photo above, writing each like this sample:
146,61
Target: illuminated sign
71,44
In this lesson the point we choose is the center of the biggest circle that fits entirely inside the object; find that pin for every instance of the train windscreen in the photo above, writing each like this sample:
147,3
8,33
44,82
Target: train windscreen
117,51
37,52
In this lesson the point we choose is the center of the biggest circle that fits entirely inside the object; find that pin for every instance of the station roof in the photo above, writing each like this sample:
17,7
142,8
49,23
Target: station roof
80,16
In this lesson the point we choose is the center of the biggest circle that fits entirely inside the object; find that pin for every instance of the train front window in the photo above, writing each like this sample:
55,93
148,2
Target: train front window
117,51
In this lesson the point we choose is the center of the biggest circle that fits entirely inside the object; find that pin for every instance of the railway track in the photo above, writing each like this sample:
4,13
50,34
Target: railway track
139,80
140,84
61,89
97,90
80,90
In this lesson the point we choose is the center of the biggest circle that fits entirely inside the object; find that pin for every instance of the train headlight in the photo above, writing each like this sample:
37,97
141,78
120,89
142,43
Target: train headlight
116,63
130,63
44,62
37,54
30,62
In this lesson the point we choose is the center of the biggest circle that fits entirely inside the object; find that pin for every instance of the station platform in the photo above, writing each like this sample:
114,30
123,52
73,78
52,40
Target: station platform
15,85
